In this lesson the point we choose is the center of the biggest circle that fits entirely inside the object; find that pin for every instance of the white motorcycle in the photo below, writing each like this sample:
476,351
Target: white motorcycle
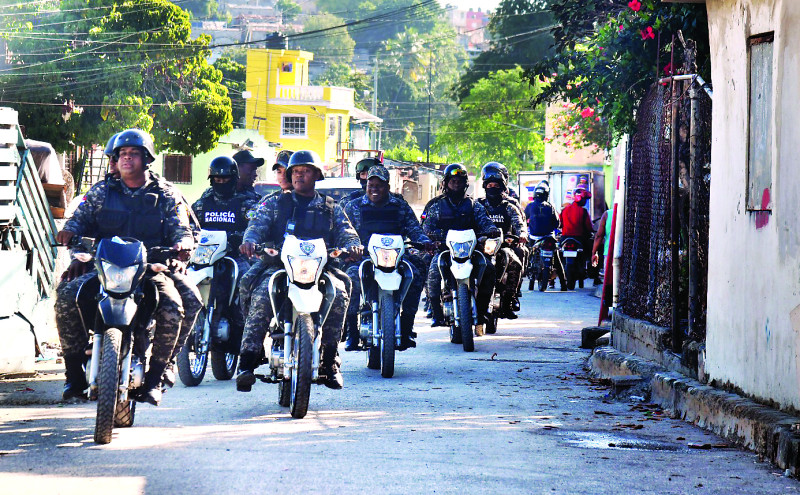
301,296
461,268
215,274
385,278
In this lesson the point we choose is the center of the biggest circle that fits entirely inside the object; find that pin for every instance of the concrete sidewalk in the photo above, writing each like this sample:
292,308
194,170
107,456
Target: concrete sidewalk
773,434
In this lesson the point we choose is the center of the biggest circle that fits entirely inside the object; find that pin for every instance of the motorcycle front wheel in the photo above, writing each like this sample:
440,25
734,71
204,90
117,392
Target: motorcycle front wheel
223,364
107,385
465,318
192,364
388,340
302,360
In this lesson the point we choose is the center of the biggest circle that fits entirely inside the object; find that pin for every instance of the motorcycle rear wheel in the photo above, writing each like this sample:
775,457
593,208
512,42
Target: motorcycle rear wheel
388,330
107,385
284,393
303,361
465,318
191,364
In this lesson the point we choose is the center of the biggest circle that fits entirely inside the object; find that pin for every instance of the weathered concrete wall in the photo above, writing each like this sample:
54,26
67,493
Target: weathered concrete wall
754,262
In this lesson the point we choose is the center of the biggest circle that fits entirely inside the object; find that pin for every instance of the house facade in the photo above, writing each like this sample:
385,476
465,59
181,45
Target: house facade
287,111
753,319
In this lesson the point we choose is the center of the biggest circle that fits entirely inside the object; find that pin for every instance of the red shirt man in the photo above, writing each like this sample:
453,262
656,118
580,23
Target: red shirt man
575,219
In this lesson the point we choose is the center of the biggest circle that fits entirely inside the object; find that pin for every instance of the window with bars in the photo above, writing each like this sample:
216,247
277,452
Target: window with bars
331,126
293,126
178,169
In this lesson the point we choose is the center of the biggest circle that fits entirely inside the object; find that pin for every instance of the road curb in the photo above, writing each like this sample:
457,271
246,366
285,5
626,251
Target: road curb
771,433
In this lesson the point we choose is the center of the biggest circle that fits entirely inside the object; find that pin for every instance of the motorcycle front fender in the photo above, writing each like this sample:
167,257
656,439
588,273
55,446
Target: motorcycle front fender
305,300
461,271
197,276
388,281
117,312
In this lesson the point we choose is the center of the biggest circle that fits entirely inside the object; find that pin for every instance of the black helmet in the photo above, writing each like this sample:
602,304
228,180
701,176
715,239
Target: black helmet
223,166
542,190
454,170
109,151
366,163
502,168
282,159
492,173
138,138
305,157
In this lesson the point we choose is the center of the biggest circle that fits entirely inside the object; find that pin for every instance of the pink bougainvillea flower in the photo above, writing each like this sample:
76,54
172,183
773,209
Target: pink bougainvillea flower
587,112
569,86
597,119
668,68
635,5
648,33
621,28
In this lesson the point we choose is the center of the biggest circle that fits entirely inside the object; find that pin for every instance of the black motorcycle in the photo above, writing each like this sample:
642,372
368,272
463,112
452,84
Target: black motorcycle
544,260
573,254
116,309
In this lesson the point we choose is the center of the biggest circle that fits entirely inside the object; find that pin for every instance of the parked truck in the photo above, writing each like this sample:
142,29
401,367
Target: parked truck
562,184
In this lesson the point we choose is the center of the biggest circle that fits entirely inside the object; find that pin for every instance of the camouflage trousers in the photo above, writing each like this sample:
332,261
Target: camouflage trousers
259,309
168,316
482,300
192,303
410,303
509,272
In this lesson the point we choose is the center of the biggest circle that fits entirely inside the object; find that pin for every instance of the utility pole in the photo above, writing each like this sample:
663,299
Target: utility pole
430,72
377,143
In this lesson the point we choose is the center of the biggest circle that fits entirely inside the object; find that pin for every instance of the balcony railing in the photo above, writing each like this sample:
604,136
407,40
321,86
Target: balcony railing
337,96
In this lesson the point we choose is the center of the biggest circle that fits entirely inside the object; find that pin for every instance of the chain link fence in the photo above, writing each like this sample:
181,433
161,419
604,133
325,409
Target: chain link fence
646,288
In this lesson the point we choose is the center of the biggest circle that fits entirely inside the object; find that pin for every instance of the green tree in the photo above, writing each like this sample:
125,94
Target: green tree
520,35
496,123
344,76
289,10
410,66
201,9
106,66
335,46
607,54
234,76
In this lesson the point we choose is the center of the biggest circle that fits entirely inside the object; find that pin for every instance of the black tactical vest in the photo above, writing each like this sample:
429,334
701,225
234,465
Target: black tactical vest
498,214
132,216
461,217
317,223
228,218
383,220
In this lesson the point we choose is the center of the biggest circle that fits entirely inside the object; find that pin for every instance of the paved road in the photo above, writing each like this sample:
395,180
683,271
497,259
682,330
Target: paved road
519,415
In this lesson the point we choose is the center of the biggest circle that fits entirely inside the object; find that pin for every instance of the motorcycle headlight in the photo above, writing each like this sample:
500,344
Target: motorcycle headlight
386,258
203,254
461,249
304,270
118,279
491,246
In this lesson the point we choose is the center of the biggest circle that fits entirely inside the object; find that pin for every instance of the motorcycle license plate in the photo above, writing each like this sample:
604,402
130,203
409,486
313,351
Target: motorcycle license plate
570,254
547,255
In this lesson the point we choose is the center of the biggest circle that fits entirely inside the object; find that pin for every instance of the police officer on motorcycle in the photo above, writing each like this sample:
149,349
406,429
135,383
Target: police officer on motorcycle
308,215
224,206
542,217
508,219
146,208
454,210
362,167
377,212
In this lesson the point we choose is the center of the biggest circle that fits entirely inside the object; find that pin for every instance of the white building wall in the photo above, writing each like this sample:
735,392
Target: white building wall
754,270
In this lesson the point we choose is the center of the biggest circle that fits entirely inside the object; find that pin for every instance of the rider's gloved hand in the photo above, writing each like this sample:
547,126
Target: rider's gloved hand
356,252
248,249
64,237
176,266
76,269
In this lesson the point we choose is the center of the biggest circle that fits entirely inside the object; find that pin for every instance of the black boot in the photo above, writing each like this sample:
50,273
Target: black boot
438,314
330,368
353,334
407,331
75,385
151,389
246,378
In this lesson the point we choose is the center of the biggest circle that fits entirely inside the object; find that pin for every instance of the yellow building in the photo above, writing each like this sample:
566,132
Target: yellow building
284,109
